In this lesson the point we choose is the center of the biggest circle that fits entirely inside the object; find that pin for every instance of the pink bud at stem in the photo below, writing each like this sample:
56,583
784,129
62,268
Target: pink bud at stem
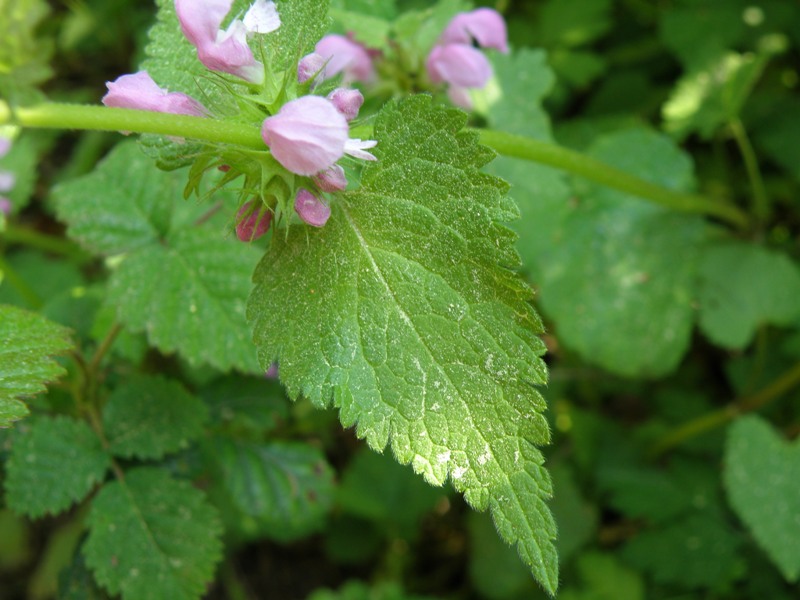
348,102
311,209
253,221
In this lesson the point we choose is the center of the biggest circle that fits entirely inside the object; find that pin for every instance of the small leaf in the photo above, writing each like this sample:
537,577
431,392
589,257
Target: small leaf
743,286
148,417
761,475
286,487
404,313
27,341
53,464
152,536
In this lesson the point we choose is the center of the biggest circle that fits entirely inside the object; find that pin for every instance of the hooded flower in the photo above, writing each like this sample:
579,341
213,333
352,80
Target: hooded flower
311,209
307,135
140,91
331,180
227,50
456,62
348,102
344,55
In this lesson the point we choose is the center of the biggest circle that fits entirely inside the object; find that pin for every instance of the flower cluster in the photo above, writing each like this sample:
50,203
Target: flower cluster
307,136
455,60
7,179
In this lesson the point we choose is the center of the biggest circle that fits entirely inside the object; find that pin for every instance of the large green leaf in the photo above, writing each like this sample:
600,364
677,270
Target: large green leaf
286,488
761,475
27,341
151,536
148,417
403,312
743,286
183,284
53,464
620,282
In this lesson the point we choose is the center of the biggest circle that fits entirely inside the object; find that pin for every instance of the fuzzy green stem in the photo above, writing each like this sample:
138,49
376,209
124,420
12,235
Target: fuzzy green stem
761,205
526,148
101,118
786,382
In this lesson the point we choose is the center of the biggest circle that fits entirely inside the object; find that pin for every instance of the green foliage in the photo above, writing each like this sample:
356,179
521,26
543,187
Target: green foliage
761,474
54,463
744,286
23,55
605,578
355,590
29,342
148,417
152,536
286,488
462,357
195,306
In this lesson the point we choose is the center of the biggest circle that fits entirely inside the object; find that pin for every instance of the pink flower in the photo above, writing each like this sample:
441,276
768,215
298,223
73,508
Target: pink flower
226,50
483,25
345,55
331,180
5,205
311,209
309,66
307,135
357,148
7,181
348,102
140,91
459,65
254,220
457,62
7,178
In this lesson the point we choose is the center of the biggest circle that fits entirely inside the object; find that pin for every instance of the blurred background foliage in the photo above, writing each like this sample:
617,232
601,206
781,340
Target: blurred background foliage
663,328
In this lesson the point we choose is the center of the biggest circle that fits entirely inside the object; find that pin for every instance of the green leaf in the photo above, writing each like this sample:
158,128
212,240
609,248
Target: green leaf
124,204
77,583
699,550
27,341
761,474
605,578
53,464
743,286
376,488
147,417
707,98
252,405
572,23
404,313
24,55
620,283
303,23
356,590
43,278
182,283
286,487
151,536
23,162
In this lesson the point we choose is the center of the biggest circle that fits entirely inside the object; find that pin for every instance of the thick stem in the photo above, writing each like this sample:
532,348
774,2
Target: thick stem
761,204
518,146
101,118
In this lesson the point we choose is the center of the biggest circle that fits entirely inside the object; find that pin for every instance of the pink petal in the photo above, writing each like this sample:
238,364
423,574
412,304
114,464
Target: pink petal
311,209
348,102
254,220
331,180
460,97
309,66
460,65
272,372
356,148
484,25
201,19
5,146
345,55
5,205
140,91
308,135
262,17
7,181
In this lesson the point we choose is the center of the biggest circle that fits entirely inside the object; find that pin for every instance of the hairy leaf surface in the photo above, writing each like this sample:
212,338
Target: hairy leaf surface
761,475
27,342
403,312
152,536
54,464
148,417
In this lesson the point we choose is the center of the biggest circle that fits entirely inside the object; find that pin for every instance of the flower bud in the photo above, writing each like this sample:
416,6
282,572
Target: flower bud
483,25
331,180
311,209
253,221
309,66
347,101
